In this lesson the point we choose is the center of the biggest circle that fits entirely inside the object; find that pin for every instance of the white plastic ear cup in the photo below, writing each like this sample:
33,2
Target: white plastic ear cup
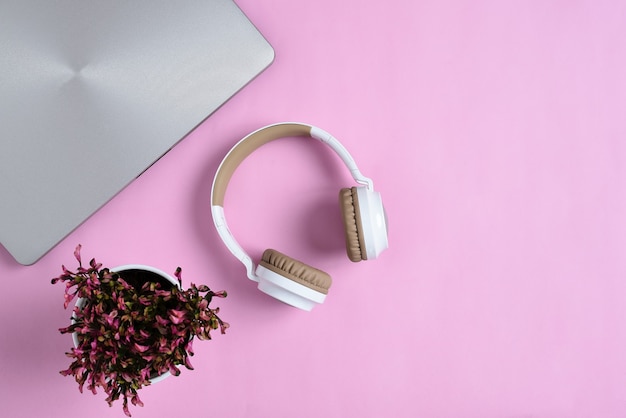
373,222
287,290
292,281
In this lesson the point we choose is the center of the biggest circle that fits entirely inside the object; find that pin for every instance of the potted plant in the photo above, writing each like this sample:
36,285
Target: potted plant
132,326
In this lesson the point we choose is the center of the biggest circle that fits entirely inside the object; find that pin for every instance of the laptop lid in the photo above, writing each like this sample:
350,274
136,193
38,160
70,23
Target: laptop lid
93,92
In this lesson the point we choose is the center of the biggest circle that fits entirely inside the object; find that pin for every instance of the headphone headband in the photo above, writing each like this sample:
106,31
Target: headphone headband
269,133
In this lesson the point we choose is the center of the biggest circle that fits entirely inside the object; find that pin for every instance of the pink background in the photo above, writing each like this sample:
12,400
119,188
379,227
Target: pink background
495,132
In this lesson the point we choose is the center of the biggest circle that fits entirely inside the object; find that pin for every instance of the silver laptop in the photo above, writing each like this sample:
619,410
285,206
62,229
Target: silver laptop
93,92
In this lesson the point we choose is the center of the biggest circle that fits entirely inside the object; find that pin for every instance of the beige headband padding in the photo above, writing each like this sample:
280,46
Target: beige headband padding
351,215
295,270
246,147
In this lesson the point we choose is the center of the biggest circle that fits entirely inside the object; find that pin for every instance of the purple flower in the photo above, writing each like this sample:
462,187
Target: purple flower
145,374
178,275
176,316
110,318
121,305
173,369
125,406
189,347
68,298
188,363
161,321
135,400
141,348
93,281
77,253
94,265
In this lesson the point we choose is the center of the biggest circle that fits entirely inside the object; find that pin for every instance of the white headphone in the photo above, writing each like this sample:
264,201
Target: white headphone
278,275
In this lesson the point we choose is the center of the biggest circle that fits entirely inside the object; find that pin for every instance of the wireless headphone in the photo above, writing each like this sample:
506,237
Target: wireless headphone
278,275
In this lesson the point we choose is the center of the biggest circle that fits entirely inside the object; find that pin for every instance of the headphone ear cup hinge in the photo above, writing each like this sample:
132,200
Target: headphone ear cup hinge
323,136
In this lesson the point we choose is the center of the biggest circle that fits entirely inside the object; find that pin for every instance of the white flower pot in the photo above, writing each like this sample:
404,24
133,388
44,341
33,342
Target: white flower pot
81,301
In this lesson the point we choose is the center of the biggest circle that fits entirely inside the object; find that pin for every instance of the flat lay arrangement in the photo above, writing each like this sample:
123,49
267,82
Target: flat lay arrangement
471,265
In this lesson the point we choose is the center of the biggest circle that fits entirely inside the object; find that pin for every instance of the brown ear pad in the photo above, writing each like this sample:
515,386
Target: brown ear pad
351,215
296,271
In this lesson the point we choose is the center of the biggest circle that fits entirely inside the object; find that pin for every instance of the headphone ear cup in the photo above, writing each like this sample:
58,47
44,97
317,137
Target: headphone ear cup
295,270
351,215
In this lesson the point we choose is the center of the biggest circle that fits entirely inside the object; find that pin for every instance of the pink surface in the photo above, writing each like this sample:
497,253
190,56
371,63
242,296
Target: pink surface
495,132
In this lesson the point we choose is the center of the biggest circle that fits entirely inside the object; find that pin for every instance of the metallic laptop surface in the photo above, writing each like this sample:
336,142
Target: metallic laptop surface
94,92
